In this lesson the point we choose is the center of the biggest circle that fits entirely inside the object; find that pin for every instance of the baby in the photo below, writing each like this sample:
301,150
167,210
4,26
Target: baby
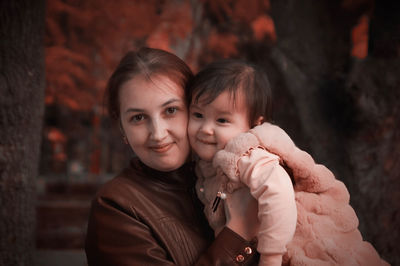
228,98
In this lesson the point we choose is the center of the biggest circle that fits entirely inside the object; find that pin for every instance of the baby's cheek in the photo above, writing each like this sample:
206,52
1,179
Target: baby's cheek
190,130
221,144
225,136
191,134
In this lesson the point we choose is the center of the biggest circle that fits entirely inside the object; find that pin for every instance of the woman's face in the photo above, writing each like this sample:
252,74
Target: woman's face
154,119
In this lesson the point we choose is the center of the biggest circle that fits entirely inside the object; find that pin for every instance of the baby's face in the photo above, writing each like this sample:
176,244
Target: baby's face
212,125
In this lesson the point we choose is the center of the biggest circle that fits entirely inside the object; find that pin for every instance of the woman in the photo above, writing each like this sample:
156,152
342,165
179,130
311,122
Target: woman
148,214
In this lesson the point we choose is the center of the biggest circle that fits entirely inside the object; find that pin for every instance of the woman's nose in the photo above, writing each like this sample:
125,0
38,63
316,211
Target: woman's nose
158,130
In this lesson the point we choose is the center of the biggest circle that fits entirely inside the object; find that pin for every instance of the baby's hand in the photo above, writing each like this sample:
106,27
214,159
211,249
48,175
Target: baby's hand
241,213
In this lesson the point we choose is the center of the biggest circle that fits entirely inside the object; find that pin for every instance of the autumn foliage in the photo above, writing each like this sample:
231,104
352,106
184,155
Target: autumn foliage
322,70
85,40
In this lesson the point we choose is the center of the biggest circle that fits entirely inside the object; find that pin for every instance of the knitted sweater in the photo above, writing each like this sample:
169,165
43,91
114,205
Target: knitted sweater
327,226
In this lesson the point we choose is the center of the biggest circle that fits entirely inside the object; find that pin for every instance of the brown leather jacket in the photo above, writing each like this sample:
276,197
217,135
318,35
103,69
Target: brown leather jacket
146,217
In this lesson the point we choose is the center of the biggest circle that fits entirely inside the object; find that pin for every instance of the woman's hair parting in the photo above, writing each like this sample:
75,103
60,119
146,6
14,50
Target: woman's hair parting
145,62
233,75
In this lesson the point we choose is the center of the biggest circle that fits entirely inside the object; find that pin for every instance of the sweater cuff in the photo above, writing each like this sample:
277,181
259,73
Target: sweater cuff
270,260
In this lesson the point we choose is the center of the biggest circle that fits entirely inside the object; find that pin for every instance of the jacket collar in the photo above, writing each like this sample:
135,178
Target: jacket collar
181,178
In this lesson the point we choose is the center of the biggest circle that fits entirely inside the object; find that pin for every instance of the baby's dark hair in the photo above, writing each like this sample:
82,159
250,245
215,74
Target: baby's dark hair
232,75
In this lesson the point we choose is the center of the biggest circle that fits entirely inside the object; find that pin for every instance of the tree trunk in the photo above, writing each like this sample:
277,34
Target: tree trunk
21,115
348,109
375,148
312,54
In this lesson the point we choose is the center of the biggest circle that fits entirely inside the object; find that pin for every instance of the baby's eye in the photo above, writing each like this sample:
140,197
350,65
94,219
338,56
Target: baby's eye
222,120
197,115
137,118
171,110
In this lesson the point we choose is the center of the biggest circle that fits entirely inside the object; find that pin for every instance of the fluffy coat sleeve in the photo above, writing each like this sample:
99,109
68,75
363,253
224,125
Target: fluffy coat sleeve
327,226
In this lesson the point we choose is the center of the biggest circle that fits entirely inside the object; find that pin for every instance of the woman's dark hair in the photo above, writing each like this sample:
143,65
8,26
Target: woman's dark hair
145,62
233,75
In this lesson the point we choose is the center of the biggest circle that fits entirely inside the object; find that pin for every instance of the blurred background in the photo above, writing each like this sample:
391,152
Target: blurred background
334,68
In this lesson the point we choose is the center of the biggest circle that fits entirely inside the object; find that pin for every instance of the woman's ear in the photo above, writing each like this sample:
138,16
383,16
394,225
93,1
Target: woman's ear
259,120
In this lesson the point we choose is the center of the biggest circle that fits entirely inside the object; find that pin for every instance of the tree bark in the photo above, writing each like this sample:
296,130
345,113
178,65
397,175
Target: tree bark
348,109
374,154
375,148
312,54
21,115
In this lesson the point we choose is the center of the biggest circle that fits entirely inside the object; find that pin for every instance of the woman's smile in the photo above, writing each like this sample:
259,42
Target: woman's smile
162,148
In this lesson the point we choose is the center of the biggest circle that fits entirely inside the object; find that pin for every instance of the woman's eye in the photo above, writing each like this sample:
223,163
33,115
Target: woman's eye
197,115
137,118
222,120
171,110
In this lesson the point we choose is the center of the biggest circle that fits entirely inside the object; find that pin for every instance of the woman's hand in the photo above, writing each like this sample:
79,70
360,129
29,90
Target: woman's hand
241,213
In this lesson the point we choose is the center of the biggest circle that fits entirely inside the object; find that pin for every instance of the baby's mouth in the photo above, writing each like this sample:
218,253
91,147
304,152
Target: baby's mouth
206,142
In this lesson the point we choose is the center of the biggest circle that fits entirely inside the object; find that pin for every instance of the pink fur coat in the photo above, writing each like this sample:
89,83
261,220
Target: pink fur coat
327,226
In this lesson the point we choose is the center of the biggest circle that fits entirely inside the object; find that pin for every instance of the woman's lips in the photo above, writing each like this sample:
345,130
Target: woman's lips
161,148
